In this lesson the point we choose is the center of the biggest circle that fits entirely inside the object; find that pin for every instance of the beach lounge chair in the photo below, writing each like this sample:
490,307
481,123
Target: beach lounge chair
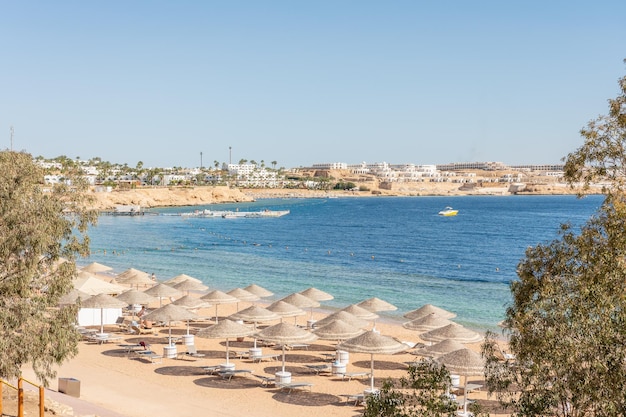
191,353
318,369
148,353
140,330
357,398
269,357
350,375
234,372
290,386
266,381
211,369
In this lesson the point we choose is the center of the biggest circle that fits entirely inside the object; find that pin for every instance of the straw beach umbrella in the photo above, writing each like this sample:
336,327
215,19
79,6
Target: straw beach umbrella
169,313
344,316
134,276
258,290
218,297
429,322
163,291
102,301
285,309
73,297
180,278
284,334
95,286
255,314
440,348
337,330
242,295
464,362
317,295
189,285
427,309
226,329
376,304
360,312
95,267
452,331
190,302
373,343
133,296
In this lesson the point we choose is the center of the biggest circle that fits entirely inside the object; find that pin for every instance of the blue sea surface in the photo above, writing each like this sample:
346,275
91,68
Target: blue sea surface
395,248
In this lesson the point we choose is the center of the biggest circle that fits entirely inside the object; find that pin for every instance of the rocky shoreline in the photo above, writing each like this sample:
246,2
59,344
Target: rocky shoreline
151,197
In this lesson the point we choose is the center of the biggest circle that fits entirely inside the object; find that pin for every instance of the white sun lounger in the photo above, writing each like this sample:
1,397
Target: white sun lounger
290,386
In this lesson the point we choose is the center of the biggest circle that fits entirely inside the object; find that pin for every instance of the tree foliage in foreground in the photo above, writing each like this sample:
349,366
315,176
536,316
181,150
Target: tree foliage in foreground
42,231
423,392
567,321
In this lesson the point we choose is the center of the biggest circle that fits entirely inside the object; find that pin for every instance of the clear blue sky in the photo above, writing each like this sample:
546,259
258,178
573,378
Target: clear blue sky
297,82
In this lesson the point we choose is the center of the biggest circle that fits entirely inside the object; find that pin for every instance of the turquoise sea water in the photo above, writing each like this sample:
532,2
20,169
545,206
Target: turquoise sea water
396,249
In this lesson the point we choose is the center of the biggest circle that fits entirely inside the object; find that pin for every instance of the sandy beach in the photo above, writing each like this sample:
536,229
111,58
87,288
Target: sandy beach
115,384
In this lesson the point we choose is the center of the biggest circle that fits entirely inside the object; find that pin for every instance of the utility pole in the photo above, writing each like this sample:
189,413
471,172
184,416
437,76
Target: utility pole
12,132
230,155
200,161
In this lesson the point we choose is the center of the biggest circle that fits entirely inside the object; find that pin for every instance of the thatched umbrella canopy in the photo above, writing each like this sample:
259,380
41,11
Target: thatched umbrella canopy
163,291
426,323
440,348
373,343
452,331
283,334
464,362
360,312
73,297
317,295
343,316
258,290
427,309
189,285
169,313
376,304
242,295
191,302
226,329
337,330
95,267
102,301
217,297
180,278
285,309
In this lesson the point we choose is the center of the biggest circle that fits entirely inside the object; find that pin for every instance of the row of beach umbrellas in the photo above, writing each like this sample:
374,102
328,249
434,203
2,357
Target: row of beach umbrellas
347,325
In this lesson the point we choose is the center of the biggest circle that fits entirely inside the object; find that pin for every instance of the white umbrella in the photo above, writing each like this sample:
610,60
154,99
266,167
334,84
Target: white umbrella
225,329
373,343
95,286
283,334
102,301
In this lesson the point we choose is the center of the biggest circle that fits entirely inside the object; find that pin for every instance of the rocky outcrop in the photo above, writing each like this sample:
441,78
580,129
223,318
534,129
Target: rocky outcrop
165,197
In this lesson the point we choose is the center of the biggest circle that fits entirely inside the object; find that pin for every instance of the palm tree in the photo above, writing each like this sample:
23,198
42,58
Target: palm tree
274,163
